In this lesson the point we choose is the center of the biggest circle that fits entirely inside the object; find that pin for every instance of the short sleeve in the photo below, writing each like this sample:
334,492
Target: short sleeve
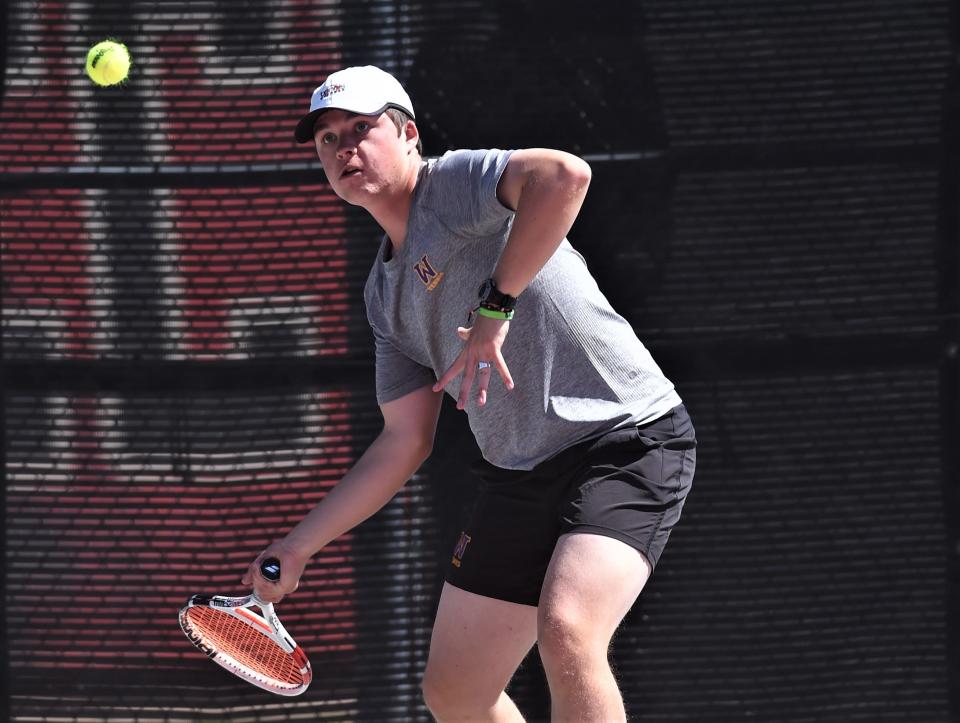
397,374
464,189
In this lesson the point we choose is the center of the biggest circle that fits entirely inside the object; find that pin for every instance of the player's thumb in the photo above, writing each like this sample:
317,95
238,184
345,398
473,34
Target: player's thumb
247,578
463,332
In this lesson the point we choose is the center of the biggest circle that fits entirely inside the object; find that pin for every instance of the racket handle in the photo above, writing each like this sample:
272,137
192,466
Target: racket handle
270,569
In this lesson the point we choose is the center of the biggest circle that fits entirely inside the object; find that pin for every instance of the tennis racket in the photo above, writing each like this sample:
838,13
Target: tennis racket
254,647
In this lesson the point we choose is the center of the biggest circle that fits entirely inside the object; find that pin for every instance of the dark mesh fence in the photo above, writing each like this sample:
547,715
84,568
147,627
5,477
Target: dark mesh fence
186,367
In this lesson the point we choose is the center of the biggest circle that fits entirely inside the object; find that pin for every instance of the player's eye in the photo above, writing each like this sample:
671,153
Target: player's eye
328,138
362,126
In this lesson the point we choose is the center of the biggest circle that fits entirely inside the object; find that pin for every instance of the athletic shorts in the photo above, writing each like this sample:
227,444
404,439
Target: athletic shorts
629,484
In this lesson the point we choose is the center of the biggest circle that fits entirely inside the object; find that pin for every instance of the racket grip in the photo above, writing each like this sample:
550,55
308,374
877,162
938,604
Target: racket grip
270,569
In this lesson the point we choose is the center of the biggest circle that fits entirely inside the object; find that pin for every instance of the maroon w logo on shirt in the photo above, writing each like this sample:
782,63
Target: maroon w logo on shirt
428,275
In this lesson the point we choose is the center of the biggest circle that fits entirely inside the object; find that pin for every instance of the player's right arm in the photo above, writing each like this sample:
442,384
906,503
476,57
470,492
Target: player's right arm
409,427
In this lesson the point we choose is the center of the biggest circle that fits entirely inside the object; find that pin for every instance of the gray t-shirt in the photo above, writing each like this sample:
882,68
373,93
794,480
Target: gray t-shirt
578,368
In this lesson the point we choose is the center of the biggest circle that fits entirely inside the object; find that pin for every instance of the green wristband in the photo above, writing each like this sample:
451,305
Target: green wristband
502,315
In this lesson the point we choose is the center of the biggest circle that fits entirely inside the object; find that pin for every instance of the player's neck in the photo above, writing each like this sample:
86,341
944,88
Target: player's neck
391,209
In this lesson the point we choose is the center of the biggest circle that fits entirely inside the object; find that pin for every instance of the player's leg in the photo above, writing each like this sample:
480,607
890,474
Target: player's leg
630,494
487,618
478,642
591,583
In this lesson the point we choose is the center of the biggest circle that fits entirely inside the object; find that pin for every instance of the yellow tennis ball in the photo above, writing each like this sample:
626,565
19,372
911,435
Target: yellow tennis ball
108,62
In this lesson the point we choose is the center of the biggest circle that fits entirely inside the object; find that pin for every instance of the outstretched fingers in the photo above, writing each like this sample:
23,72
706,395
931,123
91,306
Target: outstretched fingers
476,363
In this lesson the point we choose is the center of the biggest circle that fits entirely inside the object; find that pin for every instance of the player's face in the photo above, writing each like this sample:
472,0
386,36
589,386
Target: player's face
362,155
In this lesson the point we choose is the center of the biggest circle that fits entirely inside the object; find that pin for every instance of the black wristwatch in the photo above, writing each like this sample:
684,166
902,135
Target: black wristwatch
495,300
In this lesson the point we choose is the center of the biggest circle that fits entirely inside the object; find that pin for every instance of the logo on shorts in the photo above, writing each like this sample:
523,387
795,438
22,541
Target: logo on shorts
428,275
460,549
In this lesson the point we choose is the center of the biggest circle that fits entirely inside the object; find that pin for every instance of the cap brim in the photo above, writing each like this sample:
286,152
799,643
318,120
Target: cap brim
304,131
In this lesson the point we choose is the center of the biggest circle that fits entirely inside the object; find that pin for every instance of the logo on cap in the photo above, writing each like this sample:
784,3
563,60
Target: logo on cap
330,90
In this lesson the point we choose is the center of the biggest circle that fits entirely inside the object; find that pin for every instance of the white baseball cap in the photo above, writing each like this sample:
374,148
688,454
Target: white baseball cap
362,89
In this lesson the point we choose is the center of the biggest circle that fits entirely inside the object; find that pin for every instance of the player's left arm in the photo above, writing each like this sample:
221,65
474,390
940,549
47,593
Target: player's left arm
546,189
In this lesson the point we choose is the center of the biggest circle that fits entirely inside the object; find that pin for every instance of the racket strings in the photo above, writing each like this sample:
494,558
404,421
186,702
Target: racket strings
245,645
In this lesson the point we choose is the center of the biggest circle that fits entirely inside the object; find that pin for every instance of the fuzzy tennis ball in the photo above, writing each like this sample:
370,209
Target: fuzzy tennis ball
108,62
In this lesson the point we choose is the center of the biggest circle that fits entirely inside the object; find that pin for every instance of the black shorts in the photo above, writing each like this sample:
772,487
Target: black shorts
628,484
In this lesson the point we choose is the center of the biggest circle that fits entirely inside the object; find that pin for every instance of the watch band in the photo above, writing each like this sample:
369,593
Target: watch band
493,299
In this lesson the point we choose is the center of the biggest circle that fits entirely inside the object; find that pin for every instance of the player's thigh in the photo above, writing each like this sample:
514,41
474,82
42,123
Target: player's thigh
572,610
478,642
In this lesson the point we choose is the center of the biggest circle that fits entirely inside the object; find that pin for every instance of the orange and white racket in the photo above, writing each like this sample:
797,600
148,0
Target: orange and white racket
254,647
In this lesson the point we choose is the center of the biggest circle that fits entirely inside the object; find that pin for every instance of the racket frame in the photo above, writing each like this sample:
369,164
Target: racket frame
266,623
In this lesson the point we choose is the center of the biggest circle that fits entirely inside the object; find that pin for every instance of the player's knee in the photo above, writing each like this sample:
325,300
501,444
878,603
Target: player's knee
566,636
444,698
448,698
434,696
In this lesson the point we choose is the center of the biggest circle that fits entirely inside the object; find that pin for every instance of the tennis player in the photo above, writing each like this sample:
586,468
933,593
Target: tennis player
588,452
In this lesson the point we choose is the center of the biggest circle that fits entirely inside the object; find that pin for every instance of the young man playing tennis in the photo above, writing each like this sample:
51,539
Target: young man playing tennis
588,451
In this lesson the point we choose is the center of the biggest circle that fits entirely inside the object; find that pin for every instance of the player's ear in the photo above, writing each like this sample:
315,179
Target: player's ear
411,134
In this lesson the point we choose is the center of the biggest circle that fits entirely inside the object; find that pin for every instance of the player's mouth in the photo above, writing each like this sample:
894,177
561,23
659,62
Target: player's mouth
347,172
